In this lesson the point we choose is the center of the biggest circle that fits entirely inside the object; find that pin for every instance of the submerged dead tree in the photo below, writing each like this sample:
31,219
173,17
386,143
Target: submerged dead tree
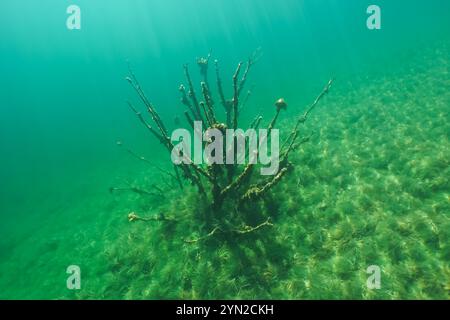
231,190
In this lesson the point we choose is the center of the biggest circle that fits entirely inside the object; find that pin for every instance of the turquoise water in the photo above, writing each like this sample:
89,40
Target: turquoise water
370,188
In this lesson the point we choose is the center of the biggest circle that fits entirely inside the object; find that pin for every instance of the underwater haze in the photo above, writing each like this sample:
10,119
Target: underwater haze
370,188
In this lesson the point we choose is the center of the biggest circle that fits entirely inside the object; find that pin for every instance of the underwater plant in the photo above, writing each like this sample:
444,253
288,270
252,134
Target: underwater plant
232,193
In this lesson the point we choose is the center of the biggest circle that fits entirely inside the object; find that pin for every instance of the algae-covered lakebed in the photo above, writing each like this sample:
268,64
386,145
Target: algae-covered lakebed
358,208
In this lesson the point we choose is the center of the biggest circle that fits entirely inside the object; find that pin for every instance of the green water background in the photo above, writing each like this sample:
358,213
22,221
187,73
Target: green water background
62,98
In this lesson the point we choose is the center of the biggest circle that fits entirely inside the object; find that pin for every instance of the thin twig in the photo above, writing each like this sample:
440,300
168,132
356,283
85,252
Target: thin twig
244,230
132,216
236,96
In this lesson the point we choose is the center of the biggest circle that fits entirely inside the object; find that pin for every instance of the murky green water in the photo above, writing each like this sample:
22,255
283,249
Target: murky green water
370,188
